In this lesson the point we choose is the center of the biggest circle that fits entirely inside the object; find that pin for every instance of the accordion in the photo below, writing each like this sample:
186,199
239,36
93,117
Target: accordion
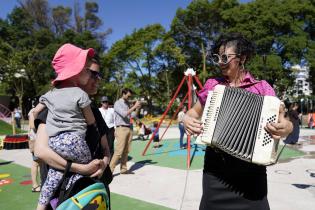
234,120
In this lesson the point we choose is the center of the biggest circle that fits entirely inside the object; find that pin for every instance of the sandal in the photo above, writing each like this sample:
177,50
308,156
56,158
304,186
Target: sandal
36,189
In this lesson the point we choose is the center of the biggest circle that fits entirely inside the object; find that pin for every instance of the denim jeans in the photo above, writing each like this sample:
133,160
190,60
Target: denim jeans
182,132
18,122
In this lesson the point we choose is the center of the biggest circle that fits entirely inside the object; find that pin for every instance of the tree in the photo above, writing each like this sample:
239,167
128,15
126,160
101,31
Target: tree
282,30
91,21
195,28
61,19
278,29
29,45
39,11
140,57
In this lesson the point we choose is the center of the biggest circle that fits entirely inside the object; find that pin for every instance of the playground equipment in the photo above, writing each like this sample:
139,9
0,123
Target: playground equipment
189,75
5,114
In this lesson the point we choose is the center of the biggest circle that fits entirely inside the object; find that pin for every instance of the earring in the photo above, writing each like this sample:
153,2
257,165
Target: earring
243,68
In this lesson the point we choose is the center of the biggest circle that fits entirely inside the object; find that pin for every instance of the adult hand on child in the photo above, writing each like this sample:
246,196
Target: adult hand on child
102,164
90,168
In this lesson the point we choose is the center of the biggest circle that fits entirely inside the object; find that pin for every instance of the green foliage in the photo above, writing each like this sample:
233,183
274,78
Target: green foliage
278,29
139,59
283,30
6,129
29,38
61,19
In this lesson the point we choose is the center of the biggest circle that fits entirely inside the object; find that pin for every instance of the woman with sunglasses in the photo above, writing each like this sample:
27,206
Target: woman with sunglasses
228,182
69,114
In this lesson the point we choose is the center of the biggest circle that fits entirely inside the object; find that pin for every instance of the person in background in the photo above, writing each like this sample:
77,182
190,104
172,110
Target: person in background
17,117
293,115
108,116
156,138
229,182
35,160
311,121
123,131
142,130
181,127
133,118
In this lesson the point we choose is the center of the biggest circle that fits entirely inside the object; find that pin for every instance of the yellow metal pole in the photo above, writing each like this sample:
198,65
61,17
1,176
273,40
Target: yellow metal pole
13,123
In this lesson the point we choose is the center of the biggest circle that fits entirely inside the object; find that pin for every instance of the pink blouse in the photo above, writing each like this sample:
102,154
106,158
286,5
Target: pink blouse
248,83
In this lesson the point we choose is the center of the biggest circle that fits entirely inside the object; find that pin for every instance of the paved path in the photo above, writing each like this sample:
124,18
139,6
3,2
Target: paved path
291,183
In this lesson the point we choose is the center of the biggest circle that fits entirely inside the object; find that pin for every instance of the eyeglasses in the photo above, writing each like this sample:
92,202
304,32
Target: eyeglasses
224,58
94,74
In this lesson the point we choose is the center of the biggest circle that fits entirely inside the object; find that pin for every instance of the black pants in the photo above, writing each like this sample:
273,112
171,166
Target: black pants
234,192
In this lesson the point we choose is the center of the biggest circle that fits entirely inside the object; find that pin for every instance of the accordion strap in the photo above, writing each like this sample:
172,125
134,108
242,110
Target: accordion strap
64,181
248,85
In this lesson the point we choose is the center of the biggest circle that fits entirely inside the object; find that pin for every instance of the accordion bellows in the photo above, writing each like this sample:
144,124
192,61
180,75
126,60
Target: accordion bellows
234,121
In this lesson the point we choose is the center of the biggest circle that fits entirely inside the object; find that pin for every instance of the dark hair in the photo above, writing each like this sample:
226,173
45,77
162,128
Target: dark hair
155,124
242,45
294,104
95,59
126,90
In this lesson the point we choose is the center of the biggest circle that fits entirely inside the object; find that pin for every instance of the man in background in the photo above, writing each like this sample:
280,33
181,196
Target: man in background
123,131
17,117
181,127
108,116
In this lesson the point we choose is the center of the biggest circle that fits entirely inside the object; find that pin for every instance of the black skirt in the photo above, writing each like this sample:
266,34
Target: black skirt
232,184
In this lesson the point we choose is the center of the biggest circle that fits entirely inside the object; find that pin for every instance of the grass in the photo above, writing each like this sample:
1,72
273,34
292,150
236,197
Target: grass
6,129
17,196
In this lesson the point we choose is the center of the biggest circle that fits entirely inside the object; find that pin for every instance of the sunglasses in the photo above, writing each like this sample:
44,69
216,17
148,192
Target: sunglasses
95,74
224,58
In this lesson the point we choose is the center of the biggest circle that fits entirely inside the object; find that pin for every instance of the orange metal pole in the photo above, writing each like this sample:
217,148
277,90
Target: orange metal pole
174,115
198,82
164,114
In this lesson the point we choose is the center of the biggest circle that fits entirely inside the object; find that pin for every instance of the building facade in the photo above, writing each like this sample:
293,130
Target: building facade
302,85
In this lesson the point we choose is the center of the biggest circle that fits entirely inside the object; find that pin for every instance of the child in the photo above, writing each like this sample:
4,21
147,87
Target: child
311,122
140,130
69,113
156,138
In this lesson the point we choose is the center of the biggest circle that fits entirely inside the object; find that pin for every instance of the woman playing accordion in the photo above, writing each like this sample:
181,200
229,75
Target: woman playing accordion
230,182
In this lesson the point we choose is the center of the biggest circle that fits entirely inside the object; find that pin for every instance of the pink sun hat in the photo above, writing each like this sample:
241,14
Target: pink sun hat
69,61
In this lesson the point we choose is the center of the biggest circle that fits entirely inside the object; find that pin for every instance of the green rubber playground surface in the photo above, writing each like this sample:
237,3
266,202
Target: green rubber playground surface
15,184
15,192
170,155
289,153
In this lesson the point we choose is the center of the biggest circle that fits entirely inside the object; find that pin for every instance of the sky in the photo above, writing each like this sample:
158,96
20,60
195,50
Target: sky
122,16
